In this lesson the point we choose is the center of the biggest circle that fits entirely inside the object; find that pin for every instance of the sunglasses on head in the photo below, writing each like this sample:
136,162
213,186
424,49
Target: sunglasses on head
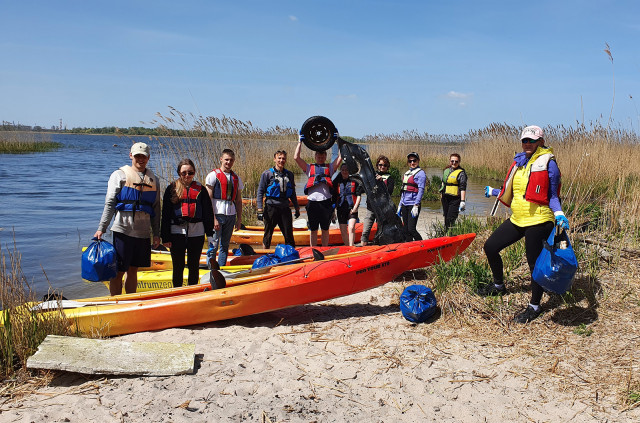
188,172
529,140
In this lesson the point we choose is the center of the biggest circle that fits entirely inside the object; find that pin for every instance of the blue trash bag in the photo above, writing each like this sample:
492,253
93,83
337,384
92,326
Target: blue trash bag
556,265
237,252
266,260
286,253
99,261
417,303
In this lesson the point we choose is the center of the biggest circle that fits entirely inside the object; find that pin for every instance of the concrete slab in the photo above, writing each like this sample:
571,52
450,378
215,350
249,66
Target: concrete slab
113,357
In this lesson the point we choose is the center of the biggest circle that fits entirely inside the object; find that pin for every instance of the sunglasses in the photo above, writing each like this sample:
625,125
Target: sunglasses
454,161
412,160
529,140
189,172
382,165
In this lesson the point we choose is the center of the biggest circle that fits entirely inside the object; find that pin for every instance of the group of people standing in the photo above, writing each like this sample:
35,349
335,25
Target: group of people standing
191,211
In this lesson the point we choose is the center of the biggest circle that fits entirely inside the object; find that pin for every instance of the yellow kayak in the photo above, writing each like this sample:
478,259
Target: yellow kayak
150,280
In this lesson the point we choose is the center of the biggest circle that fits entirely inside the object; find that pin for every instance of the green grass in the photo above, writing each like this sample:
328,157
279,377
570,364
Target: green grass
633,396
26,142
583,330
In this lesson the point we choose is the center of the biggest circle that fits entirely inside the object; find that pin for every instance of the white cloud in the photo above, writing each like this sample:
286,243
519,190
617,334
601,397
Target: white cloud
293,18
348,97
457,95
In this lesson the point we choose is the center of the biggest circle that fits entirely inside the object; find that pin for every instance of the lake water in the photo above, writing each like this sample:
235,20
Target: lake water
55,217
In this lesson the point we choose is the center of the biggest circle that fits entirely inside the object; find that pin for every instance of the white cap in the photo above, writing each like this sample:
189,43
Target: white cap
140,148
533,132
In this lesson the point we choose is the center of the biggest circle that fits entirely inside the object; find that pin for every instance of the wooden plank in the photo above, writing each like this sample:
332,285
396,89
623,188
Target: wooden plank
113,357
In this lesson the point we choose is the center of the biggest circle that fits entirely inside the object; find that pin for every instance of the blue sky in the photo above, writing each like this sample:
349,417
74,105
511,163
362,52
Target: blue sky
370,66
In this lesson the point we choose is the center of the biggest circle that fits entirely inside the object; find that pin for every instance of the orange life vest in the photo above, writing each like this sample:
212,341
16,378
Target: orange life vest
318,174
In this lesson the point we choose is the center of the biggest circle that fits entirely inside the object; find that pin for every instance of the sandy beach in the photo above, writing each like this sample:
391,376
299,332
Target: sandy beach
353,359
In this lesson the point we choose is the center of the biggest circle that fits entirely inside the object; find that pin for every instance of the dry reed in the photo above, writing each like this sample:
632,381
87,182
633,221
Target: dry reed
21,330
202,139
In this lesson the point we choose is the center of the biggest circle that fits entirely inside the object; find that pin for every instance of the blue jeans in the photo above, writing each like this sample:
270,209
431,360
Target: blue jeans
222,237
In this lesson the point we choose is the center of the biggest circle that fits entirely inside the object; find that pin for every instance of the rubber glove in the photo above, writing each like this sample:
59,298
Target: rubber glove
561,222
399,212
414,211
463,205
260,216
487,191
297,214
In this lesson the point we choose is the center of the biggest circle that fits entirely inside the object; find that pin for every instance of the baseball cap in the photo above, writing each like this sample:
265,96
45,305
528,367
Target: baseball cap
413,153
533,132
140,148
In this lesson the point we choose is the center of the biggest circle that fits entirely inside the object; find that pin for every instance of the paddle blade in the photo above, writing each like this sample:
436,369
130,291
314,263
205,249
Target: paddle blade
317,255
214,278
213,264
217,280
246,249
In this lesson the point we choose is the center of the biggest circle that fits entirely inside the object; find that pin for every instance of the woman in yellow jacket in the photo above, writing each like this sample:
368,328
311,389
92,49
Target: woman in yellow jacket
454,190
531,190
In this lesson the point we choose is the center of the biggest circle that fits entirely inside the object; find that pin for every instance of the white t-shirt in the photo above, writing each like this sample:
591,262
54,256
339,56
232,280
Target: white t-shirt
223,206
320,192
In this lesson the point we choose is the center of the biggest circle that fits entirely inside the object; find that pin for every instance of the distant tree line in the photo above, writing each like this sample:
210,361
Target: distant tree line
105,130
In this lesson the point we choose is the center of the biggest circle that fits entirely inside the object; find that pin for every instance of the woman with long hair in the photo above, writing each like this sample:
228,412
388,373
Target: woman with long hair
187,216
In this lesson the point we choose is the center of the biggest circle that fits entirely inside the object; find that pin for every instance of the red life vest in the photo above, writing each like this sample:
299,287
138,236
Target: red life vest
318,174
537,190
188,199
347,191
221,189
408,183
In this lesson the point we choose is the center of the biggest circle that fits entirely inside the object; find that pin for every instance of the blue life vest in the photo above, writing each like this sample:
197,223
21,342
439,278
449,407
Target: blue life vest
347,192
138,193
280,184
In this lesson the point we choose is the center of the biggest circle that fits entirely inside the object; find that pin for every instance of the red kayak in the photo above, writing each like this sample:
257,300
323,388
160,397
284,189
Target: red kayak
308,283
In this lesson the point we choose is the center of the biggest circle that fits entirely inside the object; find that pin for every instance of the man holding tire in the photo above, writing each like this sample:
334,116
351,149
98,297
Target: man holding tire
319,191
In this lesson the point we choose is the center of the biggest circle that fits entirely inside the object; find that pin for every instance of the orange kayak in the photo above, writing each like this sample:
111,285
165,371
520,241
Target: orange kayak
254,237
150,280
161,260
308,283
302,201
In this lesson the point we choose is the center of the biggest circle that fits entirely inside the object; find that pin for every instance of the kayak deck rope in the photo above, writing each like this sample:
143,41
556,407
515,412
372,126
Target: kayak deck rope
345,261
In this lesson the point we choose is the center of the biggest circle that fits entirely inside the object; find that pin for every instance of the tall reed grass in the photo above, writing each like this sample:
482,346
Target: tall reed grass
26,142
21,330
600,181
202,140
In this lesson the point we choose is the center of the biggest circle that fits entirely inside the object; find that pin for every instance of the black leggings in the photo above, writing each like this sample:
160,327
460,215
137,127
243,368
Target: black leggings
507,234
410,223
193,247
450,209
